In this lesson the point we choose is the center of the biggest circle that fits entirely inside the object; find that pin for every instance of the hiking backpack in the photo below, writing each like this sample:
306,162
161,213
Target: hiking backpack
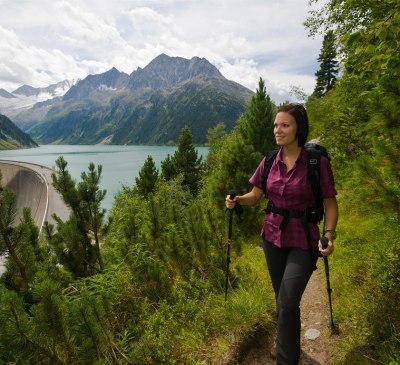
314,152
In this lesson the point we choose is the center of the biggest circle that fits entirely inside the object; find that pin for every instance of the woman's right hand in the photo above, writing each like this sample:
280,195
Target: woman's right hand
230,203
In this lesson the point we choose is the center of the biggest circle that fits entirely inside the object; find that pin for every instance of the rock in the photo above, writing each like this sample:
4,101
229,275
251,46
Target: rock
312,334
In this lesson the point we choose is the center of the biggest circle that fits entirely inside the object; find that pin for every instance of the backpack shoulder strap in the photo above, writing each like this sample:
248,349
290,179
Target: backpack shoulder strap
269,159
314,172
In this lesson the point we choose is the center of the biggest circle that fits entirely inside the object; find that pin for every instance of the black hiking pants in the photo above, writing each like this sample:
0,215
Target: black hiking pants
289,269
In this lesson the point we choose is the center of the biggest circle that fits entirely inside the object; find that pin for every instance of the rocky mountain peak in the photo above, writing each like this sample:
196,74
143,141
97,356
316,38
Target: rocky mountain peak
111,79
166,72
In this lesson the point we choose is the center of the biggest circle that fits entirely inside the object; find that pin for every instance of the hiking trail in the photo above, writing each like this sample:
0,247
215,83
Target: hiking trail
314,315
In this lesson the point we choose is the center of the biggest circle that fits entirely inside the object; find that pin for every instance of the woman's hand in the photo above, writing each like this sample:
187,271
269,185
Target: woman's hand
230,203
250,198
326,251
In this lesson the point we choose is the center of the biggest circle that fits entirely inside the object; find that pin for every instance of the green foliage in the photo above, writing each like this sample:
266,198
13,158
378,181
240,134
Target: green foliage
90,203
233,165
214,138
73,241
359,122
168,171
371,112
327,73
148,176
20,340
185,161
365,272
257,123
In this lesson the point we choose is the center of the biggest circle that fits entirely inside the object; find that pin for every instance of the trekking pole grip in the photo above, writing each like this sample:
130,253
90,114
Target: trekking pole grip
324,242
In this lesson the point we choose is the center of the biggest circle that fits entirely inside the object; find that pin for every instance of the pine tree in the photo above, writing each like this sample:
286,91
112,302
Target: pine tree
185,161
73,242
257,123
327,74
147,179
168,170
91,197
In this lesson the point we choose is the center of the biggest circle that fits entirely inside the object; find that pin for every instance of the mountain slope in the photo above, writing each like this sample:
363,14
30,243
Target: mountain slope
150,106
5,94
110,80
26,97
12,137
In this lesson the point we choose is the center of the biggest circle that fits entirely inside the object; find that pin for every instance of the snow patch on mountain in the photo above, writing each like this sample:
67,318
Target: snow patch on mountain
26,96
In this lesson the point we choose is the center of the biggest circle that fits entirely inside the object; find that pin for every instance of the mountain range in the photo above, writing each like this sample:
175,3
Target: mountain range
23,98
12,137
149,106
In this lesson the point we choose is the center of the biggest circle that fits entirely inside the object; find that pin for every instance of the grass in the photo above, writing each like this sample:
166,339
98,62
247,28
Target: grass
9,144
365,276
222,326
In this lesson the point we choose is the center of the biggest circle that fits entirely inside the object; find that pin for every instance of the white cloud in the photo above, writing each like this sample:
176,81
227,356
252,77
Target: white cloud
68,39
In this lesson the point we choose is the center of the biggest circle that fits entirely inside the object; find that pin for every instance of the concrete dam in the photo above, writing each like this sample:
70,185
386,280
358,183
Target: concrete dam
33,188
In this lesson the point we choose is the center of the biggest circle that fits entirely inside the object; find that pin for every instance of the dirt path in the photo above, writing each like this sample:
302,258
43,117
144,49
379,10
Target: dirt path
314,315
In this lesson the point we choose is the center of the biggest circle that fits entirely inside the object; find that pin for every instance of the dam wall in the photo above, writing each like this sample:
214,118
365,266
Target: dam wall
31,190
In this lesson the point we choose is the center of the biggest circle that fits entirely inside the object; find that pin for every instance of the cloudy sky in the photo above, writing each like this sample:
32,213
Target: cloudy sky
43,42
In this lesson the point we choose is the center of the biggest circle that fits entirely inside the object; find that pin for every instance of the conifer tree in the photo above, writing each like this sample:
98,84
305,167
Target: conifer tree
168,170
214,139
327,74
147,179
91,197
257,123
185,161
75,245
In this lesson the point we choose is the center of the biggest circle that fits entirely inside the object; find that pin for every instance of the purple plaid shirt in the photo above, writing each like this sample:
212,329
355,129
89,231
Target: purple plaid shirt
292,190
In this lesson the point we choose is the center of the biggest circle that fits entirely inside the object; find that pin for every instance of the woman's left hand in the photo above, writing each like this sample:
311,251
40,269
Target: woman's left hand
326,251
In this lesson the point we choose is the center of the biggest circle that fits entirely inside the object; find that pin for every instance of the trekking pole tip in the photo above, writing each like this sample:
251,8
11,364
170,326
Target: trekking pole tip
333,327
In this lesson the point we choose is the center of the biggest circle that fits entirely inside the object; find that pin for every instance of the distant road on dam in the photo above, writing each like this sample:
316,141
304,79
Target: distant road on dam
33,185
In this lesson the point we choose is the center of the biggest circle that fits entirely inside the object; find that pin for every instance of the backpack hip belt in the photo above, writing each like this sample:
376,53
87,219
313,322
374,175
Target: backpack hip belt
309,215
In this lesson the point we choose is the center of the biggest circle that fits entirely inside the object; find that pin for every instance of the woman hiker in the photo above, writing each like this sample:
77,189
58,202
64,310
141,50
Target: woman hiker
287,241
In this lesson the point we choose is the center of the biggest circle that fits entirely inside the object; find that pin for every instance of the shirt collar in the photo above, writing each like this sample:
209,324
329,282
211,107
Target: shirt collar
302,156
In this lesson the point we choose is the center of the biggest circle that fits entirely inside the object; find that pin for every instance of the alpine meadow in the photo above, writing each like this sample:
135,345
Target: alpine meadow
144,284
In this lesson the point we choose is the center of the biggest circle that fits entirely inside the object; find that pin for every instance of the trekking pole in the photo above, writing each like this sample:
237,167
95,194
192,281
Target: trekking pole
331,323
232,195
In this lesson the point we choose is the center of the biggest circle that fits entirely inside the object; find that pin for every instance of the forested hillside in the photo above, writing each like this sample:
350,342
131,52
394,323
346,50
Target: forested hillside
147,286
12,137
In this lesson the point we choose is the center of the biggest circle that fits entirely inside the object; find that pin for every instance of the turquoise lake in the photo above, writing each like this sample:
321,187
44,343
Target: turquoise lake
121,164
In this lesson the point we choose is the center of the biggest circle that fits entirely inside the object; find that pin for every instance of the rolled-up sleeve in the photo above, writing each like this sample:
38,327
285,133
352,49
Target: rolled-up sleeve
256,179
327,181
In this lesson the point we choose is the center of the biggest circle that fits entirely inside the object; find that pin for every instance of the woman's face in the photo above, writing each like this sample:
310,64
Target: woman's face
285,129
